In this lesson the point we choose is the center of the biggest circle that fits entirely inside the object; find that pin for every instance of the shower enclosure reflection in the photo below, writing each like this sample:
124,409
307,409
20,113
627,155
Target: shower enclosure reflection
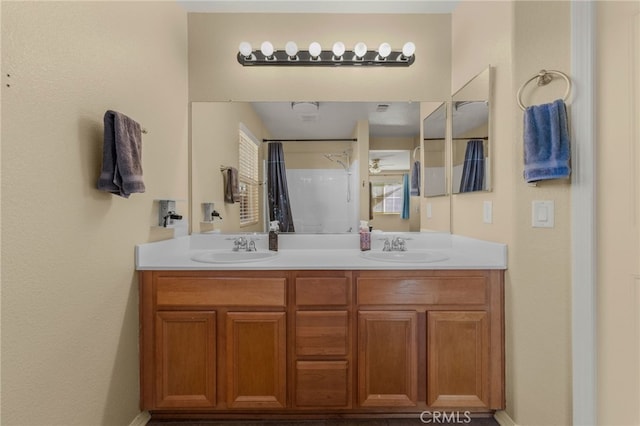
321,177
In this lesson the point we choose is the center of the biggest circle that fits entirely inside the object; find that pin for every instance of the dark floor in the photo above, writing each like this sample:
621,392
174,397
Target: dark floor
461,420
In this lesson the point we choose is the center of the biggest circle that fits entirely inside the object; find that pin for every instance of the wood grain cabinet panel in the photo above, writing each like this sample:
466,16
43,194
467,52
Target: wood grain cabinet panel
316,291
415,290
219,291
256,360
387,358
322,333
322,384
185,359
458,359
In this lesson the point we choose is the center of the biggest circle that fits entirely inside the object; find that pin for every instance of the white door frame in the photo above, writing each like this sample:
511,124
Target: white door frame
583,214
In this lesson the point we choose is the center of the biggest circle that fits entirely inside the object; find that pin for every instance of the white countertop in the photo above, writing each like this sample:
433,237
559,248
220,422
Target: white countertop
323,251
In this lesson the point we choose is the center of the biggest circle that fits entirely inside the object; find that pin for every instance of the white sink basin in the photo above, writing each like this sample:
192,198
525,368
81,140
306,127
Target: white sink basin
226,256
413,256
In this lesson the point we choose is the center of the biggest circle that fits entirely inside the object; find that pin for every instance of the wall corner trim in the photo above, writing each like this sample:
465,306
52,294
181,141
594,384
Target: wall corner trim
504,419
583,214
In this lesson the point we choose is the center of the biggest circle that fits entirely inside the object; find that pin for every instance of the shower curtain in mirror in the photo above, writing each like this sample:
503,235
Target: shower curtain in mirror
406,197
278,194
473,167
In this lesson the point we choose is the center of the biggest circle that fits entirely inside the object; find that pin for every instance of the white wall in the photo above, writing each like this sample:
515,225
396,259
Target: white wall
69,286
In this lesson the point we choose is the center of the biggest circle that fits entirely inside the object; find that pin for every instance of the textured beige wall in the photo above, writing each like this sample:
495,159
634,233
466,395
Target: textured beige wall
69,288
618,212
540,278
518,39
215,75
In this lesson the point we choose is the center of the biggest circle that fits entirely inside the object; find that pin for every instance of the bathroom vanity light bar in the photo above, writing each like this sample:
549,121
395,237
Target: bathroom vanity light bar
315,56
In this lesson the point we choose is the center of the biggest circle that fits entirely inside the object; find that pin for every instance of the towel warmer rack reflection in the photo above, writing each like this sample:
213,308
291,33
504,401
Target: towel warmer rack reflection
543,78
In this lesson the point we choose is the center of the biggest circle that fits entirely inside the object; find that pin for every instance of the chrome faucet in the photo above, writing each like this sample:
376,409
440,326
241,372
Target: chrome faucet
396,244
240,243
243,244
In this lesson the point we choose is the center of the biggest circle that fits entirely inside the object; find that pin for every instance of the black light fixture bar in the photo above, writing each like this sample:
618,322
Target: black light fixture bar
325,59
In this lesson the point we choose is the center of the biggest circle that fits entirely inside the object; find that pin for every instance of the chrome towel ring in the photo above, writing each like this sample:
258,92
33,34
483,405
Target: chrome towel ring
543,78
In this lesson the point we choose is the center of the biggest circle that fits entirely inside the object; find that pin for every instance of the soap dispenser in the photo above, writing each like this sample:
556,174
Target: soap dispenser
273,235
365,236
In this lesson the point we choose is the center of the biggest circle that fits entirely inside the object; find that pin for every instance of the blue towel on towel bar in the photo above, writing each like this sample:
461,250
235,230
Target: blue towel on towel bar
547,148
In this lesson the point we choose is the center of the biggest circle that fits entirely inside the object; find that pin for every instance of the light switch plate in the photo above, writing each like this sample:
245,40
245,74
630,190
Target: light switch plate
542,214
487,212
429,211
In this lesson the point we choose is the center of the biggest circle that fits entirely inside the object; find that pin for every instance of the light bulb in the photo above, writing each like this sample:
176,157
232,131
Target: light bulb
267,49
315,49
384,50
291,48
360,49
408,49
245,49
338,49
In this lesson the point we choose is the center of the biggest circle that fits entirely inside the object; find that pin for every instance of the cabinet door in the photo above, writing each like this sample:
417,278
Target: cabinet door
387,358
322,384
256,360
185,359
458,359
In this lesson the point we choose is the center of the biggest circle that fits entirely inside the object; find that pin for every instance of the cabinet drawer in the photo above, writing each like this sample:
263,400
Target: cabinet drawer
317,291
422,291
322,333
322,384
220,291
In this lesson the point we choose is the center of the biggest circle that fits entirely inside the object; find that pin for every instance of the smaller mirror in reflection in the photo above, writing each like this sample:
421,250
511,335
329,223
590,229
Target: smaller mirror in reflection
435,173
470,146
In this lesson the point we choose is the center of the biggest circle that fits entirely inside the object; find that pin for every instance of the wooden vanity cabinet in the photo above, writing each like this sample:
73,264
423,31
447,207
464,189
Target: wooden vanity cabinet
307,343
431,339
213,340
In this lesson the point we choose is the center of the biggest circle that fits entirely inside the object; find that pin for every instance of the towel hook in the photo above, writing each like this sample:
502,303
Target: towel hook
543,78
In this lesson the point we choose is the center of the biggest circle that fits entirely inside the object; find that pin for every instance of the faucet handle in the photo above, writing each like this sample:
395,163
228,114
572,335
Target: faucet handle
387,244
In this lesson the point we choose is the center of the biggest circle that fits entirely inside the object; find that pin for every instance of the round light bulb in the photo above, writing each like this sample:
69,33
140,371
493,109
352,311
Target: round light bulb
245,49
360,49
338,49
267,49
315,49
408,49
291,48
384,50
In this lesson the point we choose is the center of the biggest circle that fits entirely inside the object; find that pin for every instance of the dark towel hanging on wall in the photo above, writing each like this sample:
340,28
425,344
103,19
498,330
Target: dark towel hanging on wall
121,172
473,167
231,186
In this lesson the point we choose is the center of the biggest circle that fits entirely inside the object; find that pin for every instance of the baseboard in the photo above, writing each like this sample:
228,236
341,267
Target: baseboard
503,418
141,419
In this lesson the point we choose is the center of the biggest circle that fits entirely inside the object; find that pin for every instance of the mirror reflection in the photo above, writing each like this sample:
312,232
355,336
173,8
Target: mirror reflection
323,150
470,136
435,170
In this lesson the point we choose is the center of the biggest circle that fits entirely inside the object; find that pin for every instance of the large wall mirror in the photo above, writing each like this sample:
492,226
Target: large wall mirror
471,141
337,156
435,158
